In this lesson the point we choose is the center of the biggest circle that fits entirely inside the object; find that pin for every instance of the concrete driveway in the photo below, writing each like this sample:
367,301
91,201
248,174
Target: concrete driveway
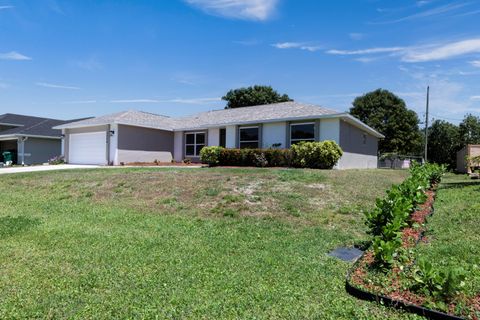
44,168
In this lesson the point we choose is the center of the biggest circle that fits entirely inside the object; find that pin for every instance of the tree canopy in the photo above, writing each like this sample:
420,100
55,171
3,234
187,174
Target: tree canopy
388,114
253,96
469,130
443,143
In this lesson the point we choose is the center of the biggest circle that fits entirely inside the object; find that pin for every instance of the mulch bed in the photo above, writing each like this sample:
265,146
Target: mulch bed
392,287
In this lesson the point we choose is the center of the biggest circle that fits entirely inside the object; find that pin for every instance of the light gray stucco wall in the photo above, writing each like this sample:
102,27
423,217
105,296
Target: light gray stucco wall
352,140
39,151
136,144
359,148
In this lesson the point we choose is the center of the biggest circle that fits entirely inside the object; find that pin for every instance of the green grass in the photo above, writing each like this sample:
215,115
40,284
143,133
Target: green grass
453,230
193,243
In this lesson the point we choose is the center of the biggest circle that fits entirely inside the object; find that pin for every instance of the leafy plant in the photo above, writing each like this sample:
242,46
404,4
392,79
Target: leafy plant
56,160
260,160
211,155
319,155
431,281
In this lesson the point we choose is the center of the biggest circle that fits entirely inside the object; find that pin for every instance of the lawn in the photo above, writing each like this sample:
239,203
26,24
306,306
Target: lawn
184,243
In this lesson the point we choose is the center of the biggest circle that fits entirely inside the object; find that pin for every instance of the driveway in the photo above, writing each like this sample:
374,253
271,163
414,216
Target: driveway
44,168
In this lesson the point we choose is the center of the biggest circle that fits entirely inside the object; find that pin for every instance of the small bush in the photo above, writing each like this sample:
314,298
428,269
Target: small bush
317,155
211,155
432,281
56,160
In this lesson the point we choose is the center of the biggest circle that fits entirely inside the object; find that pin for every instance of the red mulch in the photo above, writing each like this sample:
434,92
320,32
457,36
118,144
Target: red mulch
410,237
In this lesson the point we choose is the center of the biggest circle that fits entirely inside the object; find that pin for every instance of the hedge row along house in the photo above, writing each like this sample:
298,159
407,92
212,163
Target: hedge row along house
134,136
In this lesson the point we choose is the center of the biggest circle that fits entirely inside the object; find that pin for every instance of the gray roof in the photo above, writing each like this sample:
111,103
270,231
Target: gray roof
131,117
255,114
30,126
285,111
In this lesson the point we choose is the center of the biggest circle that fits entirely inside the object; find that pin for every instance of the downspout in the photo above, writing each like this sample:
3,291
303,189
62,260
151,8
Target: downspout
22,147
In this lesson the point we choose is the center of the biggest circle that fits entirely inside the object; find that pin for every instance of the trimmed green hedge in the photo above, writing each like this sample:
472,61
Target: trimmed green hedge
323,155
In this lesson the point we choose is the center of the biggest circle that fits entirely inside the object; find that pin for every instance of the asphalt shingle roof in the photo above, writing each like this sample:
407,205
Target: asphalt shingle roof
132,117
285,110
33,126
268,112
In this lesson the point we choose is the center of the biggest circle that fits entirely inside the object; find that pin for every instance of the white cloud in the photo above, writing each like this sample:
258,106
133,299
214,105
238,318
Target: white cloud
428,13
3,85
475,63
13,55
56,86
356,36
442,52
90,64
6,7
476,98
237,9
176,100
366,51
296,45
81,102
424,53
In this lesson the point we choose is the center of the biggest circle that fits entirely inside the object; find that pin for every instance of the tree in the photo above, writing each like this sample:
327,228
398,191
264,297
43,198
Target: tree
469,130
388,114
253,96
443,143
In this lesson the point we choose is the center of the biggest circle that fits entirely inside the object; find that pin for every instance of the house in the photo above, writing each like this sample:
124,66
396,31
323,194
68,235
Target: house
134,136
31,139
471,150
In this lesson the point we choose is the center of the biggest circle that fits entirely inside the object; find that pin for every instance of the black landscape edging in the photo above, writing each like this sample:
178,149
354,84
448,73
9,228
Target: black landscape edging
368,296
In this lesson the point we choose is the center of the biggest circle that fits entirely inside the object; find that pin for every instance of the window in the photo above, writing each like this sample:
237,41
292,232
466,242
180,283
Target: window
302,132
223,137
194,142
249,137
364,138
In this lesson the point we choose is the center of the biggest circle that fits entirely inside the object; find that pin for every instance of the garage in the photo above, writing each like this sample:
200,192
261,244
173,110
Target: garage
88,148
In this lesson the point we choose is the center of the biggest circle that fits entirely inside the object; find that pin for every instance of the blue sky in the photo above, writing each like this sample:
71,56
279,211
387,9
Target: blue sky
68,59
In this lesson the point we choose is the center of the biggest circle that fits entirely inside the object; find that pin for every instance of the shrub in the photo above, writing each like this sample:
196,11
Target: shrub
255,157
318,155
260,160
210,155
56,160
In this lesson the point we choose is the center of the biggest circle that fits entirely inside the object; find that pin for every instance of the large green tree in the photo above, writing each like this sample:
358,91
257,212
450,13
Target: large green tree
388,114
253,96
469,130
443,143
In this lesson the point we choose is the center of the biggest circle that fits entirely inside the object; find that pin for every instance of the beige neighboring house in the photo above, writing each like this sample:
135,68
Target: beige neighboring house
135,136
471,150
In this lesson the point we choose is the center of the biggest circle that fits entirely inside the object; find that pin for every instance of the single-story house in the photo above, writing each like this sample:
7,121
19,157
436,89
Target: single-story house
134,136
32,140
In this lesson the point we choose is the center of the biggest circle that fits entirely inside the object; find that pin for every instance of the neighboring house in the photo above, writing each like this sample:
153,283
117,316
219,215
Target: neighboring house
31,139
134,136
471,150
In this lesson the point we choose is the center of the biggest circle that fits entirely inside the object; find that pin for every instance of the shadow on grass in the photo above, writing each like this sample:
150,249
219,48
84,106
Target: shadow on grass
10,226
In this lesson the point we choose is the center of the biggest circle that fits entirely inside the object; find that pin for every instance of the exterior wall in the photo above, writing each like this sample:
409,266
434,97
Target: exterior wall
352,140
273,133
68,132
38,151
178,146
113,145
330,130
472,150
136,144
213,137
231,137
357,161
359,148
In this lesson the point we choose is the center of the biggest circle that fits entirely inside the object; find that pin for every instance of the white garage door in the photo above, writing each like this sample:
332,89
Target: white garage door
88,148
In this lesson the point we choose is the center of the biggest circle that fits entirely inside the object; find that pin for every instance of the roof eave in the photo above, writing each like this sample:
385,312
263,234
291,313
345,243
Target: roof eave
362,125
19,135
236,123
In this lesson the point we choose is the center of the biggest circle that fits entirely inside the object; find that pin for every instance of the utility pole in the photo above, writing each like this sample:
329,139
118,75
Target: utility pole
426,123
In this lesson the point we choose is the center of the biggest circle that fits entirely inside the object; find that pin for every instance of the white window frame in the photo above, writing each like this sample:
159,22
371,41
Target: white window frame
194,144
299,124
248,141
